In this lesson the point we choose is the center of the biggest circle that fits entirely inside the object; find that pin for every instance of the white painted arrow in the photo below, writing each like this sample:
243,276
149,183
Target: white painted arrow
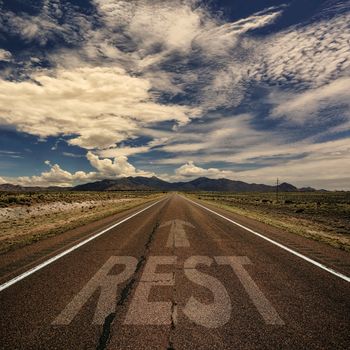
177,236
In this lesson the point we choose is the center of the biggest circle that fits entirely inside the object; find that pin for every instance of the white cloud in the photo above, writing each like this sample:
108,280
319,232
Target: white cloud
219,39
307,55
328,170
215,137
301,107
38,28
2,181
54,21
123,151
170,25
56,176
120,167
102,106
191,171
5,55
234,141
72,155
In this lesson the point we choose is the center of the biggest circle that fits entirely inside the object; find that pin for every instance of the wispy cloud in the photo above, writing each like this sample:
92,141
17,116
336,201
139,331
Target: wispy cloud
72,155
306,106
306,55
10,154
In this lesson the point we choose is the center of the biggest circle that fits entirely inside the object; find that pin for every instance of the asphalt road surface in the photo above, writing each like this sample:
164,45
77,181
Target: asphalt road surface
176,276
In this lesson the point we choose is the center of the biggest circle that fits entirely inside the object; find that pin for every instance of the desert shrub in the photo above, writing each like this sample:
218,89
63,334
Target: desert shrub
12,200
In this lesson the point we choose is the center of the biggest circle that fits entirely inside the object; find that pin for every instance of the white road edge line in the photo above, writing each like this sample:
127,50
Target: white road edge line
314,262
58,256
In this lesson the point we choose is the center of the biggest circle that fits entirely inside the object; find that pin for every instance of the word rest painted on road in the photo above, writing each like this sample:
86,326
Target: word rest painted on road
144,312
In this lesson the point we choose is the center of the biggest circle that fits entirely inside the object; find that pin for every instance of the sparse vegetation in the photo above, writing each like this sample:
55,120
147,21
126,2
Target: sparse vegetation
322,216
32,216
29,198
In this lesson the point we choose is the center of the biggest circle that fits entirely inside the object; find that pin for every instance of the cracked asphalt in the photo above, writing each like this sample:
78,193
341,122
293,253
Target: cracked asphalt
216,286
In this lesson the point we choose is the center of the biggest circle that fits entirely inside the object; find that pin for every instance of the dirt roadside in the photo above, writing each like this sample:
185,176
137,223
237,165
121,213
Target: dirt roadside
22,225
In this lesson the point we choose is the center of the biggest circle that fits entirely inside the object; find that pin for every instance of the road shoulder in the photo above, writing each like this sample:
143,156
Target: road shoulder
318,251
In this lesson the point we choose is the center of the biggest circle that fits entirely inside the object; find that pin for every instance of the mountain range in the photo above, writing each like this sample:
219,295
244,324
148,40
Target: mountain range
156,184
200,184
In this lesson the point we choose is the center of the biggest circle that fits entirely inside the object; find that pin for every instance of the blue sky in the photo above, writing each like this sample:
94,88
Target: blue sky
247,90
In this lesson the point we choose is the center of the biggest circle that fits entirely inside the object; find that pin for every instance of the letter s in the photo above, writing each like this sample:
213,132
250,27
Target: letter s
216,314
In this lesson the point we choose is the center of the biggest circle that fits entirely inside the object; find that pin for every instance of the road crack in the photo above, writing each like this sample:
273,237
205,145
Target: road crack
173,310
172,325
107,326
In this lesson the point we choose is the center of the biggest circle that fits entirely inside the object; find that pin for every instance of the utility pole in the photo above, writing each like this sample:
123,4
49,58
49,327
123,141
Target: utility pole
277,183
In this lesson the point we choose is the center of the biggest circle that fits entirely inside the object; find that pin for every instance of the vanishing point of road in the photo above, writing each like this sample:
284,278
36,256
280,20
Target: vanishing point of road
175,274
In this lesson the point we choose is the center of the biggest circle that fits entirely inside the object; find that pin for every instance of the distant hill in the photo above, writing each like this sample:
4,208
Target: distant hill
200,184
141,183
10,188
308,189
125,183
17,188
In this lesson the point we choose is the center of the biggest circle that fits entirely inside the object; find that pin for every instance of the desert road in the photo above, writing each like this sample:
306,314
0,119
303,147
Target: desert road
176,274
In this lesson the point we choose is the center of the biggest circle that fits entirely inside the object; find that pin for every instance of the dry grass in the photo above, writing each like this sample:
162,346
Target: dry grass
29,217
321,216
